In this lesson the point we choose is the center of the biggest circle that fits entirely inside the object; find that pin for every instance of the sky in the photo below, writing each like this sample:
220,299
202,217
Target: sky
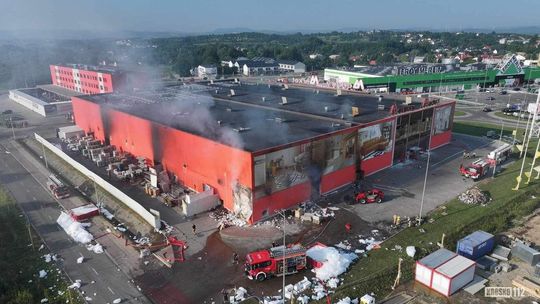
271,15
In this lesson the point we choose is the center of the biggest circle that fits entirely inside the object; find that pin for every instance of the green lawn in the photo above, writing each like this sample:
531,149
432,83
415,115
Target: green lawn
377,272
502,115
481,129
459,113
20,263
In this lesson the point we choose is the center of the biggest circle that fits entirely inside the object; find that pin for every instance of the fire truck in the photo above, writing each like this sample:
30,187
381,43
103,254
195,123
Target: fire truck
57,188
476,169
500,154
267,263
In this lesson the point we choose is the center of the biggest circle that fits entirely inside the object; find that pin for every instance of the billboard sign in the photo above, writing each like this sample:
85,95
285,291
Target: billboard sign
375,140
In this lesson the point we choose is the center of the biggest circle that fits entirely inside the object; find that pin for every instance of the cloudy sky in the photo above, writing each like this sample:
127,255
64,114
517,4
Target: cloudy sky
276,15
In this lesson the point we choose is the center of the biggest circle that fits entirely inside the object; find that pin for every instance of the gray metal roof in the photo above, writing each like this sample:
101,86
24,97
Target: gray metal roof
455,266
437,258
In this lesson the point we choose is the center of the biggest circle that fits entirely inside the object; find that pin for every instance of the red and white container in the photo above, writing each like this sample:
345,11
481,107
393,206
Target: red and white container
453,275
84,212
426,266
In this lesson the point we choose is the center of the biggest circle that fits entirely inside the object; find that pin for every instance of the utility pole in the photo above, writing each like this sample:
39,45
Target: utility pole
424,188
12,129
282,213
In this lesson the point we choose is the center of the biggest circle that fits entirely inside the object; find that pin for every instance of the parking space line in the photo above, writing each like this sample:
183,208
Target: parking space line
109,288
94,270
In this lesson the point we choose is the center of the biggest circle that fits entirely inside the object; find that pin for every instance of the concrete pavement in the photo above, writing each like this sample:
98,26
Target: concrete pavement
403,183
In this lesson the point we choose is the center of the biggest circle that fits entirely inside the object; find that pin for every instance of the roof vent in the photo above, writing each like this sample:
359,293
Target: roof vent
229,109
233,93
280,119
380,108
338,92
263,99
285,87
342,116
334,125
219,122
283,100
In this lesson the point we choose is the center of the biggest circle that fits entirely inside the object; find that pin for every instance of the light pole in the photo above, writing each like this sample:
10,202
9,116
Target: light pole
282,213
424,188
526,147
12,129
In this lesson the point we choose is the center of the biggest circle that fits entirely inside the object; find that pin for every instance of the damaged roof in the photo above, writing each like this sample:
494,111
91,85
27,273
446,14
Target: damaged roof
258,114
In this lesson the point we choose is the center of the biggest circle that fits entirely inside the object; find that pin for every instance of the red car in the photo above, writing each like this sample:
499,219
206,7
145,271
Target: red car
370,196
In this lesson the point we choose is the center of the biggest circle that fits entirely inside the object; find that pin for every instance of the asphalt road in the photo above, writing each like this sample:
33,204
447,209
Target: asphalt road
26,183
42,211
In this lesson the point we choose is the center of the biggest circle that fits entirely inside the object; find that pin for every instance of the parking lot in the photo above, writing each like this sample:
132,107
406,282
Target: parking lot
403,183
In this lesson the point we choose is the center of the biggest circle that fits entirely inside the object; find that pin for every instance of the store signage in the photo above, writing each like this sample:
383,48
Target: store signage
420,69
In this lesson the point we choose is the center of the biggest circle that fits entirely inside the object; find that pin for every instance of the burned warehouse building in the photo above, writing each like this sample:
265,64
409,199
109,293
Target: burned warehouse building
264,148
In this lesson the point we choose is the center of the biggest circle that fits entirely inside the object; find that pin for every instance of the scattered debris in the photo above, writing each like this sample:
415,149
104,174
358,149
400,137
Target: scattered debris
44,300
80,260
411,251
348,300
89,299
47,258
75,285
239,295
41,247
334,262
42,273
74,229
226,219
475,196
117,301
97,248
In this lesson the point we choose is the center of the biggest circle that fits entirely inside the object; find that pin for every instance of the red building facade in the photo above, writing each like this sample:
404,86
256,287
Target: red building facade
256,183
83,79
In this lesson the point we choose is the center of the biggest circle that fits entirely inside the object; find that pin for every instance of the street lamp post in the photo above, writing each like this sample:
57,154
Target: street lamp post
282,213
424,188
12,129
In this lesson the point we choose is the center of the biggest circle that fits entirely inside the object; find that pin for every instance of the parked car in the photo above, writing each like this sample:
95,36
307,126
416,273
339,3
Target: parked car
503,92
516,89
487,109
7,112
490,98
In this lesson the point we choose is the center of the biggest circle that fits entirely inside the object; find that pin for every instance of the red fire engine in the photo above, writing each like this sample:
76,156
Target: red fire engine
57,188
475,170
269,262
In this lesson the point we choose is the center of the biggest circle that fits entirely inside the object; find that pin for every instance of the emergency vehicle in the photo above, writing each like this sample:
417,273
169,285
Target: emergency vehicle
475,170
500,154
370,196
263,264
57,188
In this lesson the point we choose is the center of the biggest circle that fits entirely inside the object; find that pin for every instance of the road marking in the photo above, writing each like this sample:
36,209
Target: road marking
110,290
34,198
94,270
27,190
50,218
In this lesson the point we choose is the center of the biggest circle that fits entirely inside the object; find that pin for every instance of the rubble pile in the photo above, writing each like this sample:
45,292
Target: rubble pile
474,196
226,219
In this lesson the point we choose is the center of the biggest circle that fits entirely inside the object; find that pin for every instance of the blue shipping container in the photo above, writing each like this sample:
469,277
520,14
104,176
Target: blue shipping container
476,245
